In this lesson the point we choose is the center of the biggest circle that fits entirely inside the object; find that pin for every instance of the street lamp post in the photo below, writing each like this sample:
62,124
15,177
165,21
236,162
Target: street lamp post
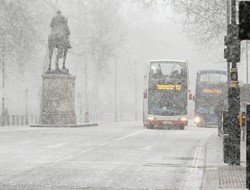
86,115
3,70
3,79
231,129
234,99
247,62
26,107
228,22
135,91
115,90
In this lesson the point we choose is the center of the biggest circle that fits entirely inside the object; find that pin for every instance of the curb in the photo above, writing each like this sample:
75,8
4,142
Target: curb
66,126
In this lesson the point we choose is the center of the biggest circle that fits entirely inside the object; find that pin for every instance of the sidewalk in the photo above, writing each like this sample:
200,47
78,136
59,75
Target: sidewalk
219,175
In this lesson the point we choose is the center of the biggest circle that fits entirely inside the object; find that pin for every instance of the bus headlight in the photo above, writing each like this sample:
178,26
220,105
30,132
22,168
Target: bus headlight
150,118
197,119
183,119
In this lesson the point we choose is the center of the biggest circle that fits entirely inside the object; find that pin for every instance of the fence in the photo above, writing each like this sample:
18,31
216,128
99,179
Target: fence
108,117
18,120
22,120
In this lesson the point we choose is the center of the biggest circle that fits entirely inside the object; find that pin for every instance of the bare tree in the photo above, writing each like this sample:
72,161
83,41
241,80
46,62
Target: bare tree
17,29
204,20
100,31
144,3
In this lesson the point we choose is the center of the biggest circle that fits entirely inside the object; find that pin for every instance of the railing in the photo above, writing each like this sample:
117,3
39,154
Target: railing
22,120
107,117
18,120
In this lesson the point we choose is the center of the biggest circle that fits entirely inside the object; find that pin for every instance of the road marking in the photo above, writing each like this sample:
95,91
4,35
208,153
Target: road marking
131,135
112,163
194,178
100,145
87,150
3,147
56,145
106,143
148,147
117,139
26,142
214,168
64,158
197,154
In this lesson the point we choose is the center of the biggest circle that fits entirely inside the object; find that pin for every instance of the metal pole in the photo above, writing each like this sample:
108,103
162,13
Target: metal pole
86,114
3,70
226,137
26,110
228,22
233,11
115,90
135,91
246,61
86,93
234,102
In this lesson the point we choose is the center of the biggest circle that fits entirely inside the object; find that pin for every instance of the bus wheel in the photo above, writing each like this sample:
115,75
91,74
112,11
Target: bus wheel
181,127
199,125
149,126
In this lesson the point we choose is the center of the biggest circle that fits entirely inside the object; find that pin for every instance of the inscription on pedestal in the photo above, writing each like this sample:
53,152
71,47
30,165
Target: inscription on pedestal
58,99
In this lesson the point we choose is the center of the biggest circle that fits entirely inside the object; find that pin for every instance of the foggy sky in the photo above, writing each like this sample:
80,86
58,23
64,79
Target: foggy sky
151,33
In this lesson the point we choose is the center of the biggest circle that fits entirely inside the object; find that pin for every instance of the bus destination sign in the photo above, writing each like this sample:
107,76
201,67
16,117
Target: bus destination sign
168,87
211,91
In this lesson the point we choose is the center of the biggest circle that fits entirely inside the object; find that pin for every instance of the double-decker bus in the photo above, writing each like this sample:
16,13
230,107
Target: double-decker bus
165,94
211,88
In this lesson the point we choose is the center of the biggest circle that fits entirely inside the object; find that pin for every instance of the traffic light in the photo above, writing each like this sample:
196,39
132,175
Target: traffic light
232,43
244,20
227,42
242,119
235,47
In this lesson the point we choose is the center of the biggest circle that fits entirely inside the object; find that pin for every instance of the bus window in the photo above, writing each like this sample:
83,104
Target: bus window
213,78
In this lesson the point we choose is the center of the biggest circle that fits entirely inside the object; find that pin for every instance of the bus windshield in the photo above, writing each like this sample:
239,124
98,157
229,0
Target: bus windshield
170,71
213,78
167,88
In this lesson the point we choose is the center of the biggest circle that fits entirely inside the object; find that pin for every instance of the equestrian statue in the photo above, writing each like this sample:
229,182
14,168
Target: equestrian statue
59,38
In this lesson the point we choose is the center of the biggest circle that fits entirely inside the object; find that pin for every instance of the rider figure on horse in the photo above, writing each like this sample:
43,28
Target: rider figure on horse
59,24
59,38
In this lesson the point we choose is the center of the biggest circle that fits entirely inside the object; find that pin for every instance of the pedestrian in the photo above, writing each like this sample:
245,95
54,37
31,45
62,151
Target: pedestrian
243,127
219,113
60,24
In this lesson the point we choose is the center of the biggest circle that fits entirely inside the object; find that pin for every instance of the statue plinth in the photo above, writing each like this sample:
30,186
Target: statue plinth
58,99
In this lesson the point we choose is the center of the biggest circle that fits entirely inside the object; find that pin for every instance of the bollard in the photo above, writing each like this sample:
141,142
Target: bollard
7,120
32,119
21,120
226,138
12,120
18,120
27,120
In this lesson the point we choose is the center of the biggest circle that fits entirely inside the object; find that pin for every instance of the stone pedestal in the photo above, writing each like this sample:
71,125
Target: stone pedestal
58,99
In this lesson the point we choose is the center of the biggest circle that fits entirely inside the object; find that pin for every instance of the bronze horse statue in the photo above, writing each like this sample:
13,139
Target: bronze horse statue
58,40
